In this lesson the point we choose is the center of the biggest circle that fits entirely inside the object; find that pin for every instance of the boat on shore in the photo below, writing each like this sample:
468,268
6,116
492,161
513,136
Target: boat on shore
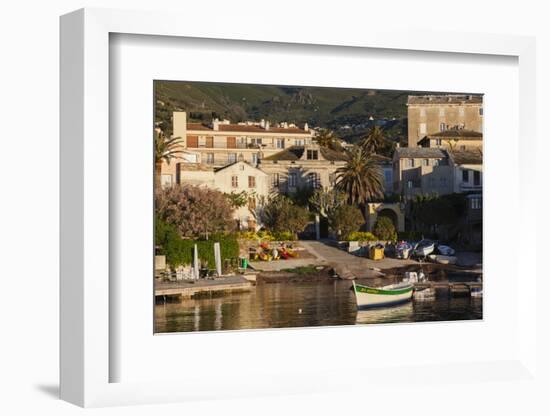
440,259
424,248
403,250
371,297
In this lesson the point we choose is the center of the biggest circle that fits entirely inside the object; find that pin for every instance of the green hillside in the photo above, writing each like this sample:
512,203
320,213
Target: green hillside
344,110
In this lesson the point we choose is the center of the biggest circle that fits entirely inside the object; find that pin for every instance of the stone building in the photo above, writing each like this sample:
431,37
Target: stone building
422,171
311,166
467,170
453,140
429,114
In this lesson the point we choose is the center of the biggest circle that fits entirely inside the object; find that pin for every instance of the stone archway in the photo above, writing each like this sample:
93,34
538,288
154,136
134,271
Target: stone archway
391,214
391,210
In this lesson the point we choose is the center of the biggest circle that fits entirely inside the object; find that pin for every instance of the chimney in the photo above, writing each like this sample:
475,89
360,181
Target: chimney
215,124
262,123
179,125
267,125
306,127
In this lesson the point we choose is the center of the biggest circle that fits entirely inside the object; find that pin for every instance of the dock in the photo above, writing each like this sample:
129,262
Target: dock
453,287
189,289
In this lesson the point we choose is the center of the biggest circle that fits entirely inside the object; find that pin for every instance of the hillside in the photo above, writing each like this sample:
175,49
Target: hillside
346,111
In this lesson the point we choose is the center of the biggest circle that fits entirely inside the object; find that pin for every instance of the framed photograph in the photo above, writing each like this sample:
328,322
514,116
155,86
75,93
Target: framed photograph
286,213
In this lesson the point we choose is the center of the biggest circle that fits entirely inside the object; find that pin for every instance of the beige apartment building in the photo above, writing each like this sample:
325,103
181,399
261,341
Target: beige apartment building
453,140
311,166
221,142
429,114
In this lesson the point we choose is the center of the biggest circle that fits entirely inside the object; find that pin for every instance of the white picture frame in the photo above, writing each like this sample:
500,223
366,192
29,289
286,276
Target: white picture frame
86,356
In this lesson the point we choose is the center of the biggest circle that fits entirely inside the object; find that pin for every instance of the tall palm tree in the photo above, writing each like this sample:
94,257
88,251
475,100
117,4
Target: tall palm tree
326,138
361,177
165,150
374,141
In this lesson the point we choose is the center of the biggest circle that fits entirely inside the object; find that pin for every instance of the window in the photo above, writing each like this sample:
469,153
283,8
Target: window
210,158
275,179
422,112
409,184
254,159
241,167
292,180
251,181
299,142
234,181
480,111
313,180
231,157
312,155
422,128
441,112
409,163
477,178
438,142
280,143
442,127
425,162
465,176
475,203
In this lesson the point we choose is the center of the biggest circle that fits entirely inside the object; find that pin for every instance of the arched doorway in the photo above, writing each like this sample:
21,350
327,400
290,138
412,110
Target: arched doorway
391,214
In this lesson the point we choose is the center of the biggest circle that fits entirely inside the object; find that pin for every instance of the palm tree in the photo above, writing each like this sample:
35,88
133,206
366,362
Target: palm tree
326,138
360,178
374,141
165,150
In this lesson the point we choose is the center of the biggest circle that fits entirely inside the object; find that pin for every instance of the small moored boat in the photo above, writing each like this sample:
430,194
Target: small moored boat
438,258
371,297
424,247
403,250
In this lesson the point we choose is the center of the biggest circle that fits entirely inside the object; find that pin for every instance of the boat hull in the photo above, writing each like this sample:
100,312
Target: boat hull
369,297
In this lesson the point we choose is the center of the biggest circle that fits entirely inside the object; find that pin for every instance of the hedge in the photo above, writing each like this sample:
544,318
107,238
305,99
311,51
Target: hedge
179,251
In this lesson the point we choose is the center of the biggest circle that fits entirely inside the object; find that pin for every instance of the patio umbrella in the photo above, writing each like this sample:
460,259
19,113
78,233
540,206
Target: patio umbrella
196,262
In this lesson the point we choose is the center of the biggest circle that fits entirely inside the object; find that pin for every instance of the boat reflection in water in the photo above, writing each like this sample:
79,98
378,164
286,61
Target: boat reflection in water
403,312
291,305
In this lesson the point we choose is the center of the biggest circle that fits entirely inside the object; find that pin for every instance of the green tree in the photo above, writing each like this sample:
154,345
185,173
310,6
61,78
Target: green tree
325,201
361,178
384,229
345,220
165,150
373,141
280,214
326,138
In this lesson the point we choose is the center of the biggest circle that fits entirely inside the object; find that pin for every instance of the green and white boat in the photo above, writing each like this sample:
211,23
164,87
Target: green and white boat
371,297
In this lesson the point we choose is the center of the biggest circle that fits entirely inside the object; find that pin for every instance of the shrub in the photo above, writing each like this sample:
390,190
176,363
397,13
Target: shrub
284,236
345,219
194,211
384,229
362,236
280,214
179,251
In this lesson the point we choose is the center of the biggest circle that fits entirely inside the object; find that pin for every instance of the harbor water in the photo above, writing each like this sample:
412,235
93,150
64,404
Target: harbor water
289,305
